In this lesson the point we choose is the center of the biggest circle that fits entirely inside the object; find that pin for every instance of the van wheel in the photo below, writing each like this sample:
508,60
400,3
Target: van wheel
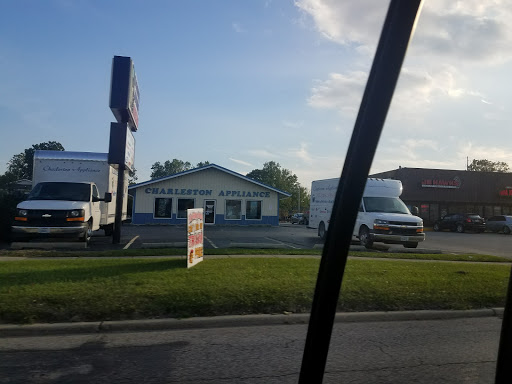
321,230
364,238
411,244
87,234
109,229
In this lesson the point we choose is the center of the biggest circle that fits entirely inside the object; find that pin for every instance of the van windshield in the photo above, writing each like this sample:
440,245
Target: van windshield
61,191
385,204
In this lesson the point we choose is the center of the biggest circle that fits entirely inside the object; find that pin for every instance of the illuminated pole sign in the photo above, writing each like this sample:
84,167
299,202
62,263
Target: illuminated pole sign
124,92
194,236
124,104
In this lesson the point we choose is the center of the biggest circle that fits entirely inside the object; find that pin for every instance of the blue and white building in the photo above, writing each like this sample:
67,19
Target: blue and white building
227,197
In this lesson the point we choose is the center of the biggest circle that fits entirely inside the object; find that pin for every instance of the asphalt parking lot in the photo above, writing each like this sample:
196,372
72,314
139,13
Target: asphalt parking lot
287,236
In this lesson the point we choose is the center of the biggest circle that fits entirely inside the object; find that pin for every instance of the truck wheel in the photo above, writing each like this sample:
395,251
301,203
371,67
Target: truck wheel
411,244
364,237
87,234
321,230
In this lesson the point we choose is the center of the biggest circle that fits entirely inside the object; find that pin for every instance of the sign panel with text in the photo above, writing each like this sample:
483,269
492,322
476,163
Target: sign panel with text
194,236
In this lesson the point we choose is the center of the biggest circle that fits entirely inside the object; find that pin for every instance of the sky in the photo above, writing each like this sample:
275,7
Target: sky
241,83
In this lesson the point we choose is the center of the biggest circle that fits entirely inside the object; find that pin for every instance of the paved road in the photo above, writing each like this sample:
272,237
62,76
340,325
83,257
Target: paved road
428,351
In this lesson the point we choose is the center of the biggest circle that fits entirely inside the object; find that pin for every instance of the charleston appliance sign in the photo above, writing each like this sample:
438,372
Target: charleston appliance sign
454,183
204,192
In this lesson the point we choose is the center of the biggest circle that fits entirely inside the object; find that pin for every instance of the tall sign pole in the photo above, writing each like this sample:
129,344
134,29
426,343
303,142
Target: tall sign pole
124,103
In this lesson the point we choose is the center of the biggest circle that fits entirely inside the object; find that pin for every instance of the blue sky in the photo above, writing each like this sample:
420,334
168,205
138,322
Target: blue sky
240,83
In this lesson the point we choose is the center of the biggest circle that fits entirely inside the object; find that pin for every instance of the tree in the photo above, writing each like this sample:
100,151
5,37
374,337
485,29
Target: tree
171,167
132,177
272,174
20,166
485,165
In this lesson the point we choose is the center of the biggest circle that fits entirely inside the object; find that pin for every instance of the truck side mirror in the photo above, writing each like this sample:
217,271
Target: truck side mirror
415,211
108,197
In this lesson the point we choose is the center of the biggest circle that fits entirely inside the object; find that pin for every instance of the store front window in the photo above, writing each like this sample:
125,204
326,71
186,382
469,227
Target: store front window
163,208
233,209
183,205
253,210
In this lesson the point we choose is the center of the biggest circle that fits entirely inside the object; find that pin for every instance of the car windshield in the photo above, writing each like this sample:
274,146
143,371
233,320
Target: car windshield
385,204
61,191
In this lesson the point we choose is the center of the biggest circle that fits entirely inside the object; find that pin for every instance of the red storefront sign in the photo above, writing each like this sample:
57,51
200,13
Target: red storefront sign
441,183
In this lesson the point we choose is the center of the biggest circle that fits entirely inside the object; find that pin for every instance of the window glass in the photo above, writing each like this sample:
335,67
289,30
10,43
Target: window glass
183,205
233,209
163,208
253,210
95,191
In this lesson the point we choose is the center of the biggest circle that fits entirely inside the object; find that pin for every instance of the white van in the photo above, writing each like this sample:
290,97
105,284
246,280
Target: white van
382,216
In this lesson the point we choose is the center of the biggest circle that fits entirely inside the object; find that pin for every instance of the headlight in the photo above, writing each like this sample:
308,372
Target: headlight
22,212
76,213
379,221
420,223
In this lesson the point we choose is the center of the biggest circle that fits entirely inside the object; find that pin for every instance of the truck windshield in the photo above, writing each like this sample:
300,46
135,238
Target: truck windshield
61,191
385,204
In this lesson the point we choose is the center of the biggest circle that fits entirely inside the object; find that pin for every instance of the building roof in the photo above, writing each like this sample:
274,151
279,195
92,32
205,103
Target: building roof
70,155
210,166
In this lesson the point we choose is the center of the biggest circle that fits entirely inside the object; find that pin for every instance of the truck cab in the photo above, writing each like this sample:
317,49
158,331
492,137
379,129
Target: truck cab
59,209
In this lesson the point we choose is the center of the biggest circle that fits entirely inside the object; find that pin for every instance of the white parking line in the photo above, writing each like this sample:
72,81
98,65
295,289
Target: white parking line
131,242
280,242
211,242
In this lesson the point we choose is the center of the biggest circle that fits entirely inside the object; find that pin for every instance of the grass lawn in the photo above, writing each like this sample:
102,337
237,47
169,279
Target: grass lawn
236,251
110,289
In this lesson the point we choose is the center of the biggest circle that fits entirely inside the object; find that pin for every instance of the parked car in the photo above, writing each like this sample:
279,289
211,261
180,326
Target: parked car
461,222
499,224
299,218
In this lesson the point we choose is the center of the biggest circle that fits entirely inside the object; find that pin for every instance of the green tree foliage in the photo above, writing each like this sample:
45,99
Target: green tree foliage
272,174
171,167
485,165
20,166
132,177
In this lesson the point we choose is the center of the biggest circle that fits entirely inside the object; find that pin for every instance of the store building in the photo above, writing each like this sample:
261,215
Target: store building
437,192
226,196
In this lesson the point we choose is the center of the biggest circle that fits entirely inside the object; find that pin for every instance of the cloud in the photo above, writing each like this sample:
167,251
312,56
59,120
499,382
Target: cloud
476,31
339,91
238,28
416,90
241,162
301,153
263,153
293,124
355,23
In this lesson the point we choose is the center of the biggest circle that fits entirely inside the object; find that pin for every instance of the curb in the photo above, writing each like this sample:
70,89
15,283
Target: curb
10,330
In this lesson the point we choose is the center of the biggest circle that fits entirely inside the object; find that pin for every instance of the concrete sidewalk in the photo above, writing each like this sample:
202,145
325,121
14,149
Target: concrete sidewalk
11,330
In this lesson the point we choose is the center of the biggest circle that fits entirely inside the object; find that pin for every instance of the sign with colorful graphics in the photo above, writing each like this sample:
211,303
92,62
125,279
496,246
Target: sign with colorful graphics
194,236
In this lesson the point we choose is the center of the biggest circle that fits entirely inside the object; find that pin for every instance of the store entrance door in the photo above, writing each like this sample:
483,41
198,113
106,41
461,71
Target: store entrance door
209,212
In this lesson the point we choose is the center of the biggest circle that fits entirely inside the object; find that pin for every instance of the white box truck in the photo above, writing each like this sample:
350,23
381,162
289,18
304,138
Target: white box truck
382,216
73,194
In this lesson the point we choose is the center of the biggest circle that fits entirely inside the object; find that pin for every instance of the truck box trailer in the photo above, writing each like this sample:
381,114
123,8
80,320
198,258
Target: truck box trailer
73,194
382,216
